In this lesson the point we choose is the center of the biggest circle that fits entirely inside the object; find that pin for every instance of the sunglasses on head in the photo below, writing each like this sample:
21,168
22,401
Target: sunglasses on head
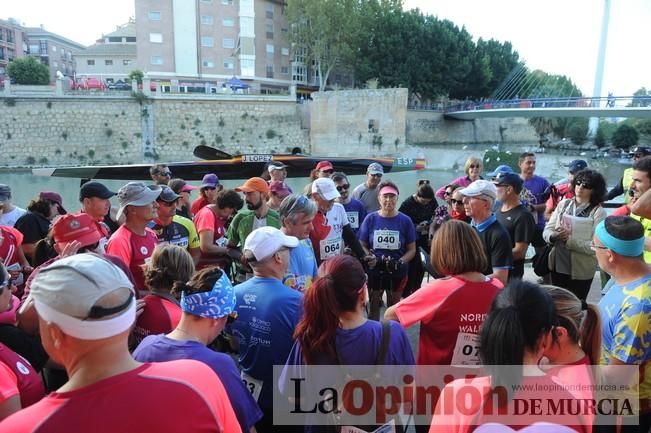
423,182
343,187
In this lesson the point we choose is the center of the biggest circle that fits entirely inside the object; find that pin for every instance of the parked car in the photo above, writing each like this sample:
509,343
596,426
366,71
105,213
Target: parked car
90,83
119,85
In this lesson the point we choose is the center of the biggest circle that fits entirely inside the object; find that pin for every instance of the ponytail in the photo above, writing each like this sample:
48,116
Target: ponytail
591,334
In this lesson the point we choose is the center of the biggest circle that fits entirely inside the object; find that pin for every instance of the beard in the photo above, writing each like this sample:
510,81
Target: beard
252,206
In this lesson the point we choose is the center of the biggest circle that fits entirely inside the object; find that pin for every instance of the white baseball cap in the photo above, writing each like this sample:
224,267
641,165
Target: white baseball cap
325,187
265,241
480,187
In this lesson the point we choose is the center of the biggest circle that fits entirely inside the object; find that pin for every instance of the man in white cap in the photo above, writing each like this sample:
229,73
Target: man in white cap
367,192
267,314
134,242
9,213
478,201
86,308
331,228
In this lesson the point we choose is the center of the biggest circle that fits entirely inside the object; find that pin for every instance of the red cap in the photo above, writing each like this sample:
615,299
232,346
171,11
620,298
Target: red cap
324,165
254,184
76,227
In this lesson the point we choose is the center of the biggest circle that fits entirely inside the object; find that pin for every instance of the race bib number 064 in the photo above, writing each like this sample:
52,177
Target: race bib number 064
386,239
330,248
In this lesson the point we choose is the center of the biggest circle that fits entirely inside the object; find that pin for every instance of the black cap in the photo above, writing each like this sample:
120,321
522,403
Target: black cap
576,166
94,189
645,150
167,194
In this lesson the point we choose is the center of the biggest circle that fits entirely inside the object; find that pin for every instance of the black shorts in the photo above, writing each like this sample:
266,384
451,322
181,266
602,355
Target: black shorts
538,240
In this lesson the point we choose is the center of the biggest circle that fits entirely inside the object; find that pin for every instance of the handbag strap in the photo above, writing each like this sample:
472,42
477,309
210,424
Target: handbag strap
384,345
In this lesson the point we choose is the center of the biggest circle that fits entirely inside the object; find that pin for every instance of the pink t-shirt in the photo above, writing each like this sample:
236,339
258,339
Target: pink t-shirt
155,397
134,250
451,311
18,377
160,316
204,220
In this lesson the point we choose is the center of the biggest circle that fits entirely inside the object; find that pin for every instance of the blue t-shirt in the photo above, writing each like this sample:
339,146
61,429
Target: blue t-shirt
159,348
358,346
302,269
267,314
538,186
356,212
388,236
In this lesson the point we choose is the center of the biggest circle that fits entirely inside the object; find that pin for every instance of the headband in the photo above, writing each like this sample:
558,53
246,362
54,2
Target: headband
388,190
217,303
88,329
632,248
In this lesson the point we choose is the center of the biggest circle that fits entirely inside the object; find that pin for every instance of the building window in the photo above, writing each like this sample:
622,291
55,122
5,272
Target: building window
229,64
156,60
228,22
284,70
270,30
108,62
284,51
299,55
269,10
207,41
156,38
227,2
34,49
131,39
126,62
2,53
90,62
299,73
207,63
10,36
154,16
2,32
247,27
247,67
207,20
270,48
270,71
54,48
115,39
43,47
228,43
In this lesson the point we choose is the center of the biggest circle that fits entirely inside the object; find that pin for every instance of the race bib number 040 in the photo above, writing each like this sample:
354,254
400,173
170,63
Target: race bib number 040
386,239
254,386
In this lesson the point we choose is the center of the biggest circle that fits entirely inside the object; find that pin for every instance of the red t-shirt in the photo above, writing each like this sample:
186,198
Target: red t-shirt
160,316
204,220
18,377
134,250
11,241
198,204
155,397
451,311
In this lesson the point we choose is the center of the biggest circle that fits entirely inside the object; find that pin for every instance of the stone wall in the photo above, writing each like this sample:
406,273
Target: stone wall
118,130
358,122
430,127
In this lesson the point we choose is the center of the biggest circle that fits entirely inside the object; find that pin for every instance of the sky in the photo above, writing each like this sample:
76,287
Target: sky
557,36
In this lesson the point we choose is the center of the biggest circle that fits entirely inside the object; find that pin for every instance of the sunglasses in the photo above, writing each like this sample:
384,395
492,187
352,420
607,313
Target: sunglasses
423,182
597,247
447,193
456,202
329,171
584,184
300,199
343,187
209,188
165,173
474,166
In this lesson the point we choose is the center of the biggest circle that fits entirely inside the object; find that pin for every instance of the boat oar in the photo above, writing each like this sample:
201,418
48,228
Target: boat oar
210,153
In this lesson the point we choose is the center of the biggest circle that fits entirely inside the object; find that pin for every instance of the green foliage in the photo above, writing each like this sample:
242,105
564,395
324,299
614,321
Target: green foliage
64,135
641,98
221,122
543,125
137,75
43,161
493,158
271,134
578,133
625,136
91,153
28,70
49,104
30,160
600,138
643,126
10,102
108,132
140,97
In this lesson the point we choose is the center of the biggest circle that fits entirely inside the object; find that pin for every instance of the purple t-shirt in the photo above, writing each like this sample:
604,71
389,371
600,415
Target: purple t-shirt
356,212
358,346
388,236
159,348
538,186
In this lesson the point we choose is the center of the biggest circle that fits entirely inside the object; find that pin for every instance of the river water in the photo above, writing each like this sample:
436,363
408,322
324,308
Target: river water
444,163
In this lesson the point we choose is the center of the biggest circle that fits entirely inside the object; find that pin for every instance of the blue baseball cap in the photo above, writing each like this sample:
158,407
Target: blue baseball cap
500,169
576,166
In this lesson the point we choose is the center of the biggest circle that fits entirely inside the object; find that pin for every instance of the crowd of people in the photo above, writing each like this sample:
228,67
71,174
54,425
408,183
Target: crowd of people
185,307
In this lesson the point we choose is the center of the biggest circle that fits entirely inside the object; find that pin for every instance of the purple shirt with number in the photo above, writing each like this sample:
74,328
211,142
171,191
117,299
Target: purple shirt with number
400,223
356,212
159,348
538,186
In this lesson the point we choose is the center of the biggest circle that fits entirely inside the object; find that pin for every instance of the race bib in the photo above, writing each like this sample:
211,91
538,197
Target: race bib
466,350
330,248
221,242
353,219
254,386
386,239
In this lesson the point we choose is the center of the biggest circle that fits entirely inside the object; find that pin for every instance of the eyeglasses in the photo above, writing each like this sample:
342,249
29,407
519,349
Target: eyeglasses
594,247
585,184
423,182
474,166
165,173
343,187
456,202
209,188
376,175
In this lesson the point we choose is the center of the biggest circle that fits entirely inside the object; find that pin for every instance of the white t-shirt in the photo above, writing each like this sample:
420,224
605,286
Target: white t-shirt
326,236
10,218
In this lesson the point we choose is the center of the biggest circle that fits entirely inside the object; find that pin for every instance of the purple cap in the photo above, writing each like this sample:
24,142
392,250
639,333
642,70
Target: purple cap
55,197
279,188
210,180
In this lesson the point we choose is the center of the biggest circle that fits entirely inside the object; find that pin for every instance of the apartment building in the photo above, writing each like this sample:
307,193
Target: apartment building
191,43
54,51
112,57
12,43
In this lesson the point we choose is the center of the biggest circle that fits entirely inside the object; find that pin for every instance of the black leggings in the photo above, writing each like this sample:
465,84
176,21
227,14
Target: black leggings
579,287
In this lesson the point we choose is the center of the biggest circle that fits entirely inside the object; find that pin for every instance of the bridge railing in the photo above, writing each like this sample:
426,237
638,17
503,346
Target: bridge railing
567,102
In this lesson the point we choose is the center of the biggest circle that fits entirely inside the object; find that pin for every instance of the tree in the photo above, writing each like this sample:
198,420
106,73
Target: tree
136,75
625,136
28,70
600,137
327,31
543,125
641,98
